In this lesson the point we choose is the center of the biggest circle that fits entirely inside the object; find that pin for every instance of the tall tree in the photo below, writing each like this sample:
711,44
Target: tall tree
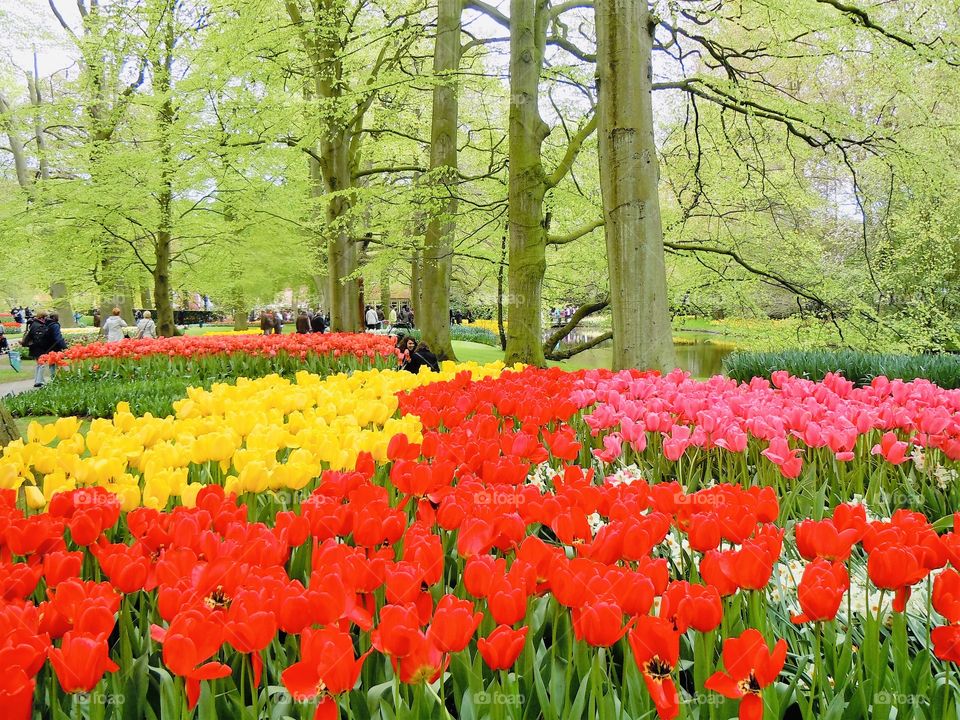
332,34
439,239
629,179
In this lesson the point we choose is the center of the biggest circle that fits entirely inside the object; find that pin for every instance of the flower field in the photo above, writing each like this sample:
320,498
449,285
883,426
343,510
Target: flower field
222,356
488,543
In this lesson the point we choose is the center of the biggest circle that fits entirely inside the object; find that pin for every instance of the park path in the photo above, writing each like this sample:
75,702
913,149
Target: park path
16,387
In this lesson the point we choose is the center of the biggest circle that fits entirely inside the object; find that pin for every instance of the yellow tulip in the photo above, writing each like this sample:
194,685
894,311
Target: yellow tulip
34,497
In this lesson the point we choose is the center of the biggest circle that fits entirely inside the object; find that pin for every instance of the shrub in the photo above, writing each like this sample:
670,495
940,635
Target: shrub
466,333
859,367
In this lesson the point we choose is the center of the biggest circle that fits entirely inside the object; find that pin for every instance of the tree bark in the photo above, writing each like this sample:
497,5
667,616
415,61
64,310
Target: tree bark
503,262
61,304
8,428
163,237
146,295
527,183
415,279
341,247
441,229
629,181
15,143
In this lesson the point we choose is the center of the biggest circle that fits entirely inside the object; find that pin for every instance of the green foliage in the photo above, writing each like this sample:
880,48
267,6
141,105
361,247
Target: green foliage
466,333
83,398
859,367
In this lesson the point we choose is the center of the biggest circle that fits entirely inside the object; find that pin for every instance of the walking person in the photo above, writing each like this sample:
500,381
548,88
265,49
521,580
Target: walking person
58,344
38,339
113,326
146,327
371,318
278,323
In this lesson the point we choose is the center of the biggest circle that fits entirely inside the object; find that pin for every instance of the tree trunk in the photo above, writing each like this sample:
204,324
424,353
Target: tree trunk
33,87
629,181
500,268
15,145
61,304
415,278
527,183
115,292
441,229
385,293
163,238
8,428
322,287
146,295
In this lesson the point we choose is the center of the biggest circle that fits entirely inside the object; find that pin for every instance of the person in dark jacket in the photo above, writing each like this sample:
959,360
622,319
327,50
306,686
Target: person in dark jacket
40,339
317,323
266,322
422,356
58,344
303,323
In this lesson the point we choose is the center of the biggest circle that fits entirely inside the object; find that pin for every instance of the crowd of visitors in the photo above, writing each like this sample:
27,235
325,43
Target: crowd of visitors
271,321
374,318
561,315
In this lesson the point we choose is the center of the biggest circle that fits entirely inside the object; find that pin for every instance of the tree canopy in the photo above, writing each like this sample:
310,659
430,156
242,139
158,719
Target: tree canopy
799,155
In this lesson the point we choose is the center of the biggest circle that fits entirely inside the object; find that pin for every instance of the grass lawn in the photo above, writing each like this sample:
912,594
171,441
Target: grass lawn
486,354
477,352
22,423
8,374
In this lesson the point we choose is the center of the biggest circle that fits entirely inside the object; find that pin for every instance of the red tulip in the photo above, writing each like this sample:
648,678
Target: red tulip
328,668
16,694
501,648
946,642
688,605
821,590
81,661
454,623
946,595
599,623
656,649
749,667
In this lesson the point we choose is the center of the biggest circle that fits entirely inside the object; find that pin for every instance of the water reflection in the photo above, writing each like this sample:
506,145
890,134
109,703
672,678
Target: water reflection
700,359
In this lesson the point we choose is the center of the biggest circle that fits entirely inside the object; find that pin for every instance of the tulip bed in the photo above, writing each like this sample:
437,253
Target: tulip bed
152,374
489,543
218,357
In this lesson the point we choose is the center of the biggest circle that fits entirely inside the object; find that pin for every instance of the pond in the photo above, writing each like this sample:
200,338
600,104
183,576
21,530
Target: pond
696,355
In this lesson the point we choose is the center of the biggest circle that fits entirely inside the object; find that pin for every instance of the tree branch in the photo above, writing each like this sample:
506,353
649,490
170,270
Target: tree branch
576,349
859,16
576,234
489,11
573,149
389,169
551,342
